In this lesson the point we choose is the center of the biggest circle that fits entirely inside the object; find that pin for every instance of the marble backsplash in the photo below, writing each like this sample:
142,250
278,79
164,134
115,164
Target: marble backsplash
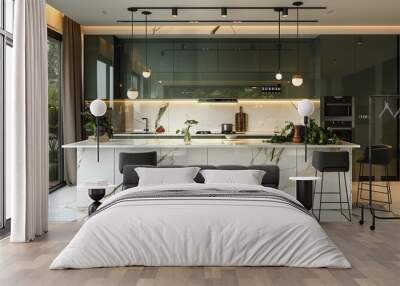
263,116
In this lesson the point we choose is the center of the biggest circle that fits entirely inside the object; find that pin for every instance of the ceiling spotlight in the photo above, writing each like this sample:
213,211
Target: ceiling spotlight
174,12
224,12
285,12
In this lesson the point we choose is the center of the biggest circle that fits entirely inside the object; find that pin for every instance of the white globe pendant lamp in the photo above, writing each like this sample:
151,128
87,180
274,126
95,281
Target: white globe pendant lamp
297,79
147,72
132,92
278,75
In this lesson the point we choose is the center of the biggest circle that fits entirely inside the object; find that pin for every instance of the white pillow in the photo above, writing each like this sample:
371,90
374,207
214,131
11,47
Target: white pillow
248,177
166,176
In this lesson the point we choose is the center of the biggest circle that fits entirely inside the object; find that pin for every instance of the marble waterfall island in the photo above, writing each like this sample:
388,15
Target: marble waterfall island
288,156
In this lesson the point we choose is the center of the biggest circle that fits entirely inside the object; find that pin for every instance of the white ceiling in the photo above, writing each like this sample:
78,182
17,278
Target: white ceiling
95,13
339,12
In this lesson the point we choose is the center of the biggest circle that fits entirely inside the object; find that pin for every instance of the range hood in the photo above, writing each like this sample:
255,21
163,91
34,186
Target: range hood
218,100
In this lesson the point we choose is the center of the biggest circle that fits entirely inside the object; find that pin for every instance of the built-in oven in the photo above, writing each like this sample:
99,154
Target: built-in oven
338,114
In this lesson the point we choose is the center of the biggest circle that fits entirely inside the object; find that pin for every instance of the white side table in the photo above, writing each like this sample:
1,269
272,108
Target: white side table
304,190
96,192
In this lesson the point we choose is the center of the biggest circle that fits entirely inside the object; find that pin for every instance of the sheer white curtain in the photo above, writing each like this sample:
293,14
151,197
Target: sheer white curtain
27,122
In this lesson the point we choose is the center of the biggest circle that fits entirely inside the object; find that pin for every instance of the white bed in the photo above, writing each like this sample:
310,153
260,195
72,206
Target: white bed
202,231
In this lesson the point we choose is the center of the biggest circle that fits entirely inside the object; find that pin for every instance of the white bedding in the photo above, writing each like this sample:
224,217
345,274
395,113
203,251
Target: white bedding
193,231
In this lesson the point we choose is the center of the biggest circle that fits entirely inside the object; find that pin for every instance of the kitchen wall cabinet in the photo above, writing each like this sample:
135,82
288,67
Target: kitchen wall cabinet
199,68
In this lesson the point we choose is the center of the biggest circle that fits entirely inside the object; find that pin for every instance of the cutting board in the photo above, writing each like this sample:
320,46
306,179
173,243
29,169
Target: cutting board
241,119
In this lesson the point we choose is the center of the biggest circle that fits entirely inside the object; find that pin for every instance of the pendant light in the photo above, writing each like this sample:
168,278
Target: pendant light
147,72
278,75
132,92
297,79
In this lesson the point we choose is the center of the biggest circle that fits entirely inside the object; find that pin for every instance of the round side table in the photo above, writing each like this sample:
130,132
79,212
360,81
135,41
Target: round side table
304,190
96,193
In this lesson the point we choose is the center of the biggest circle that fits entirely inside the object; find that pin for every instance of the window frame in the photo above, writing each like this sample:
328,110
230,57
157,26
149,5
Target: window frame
6,39
51,34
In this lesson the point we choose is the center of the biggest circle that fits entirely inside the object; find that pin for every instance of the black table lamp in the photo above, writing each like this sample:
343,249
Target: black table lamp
98,108
305,108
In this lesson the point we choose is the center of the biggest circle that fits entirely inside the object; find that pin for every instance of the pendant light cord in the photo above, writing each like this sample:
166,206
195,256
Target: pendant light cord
133,52
279,42
298,43
132,28
146,42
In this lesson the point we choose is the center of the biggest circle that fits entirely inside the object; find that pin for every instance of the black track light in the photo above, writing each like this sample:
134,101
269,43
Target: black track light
285,12
174,12
224,12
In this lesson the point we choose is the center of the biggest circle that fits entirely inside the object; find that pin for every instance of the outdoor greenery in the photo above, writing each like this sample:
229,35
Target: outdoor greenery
53,107
316,135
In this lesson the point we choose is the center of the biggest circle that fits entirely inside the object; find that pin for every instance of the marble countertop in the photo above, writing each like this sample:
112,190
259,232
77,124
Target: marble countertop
196,143
174,135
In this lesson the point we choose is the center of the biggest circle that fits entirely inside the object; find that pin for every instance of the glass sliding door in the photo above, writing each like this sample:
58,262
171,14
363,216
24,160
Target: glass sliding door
56,177
6,66
2,126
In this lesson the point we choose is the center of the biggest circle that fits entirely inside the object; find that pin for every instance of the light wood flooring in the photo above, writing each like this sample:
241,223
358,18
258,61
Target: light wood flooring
375,257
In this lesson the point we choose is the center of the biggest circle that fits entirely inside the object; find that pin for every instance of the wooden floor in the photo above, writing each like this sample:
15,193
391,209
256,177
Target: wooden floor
375,257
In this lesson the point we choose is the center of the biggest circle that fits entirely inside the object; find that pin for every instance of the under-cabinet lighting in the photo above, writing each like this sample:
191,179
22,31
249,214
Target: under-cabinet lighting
196,101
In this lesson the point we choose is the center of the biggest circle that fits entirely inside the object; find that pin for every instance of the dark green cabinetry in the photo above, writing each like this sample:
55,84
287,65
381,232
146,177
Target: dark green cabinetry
361,66
200,68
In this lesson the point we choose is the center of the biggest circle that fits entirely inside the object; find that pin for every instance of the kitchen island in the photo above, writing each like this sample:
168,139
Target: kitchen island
288,156
211,135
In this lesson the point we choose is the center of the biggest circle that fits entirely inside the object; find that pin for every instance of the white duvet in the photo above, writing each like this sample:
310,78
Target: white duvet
189,232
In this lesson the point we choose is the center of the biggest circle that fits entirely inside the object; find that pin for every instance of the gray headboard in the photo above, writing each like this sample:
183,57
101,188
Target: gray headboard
270,179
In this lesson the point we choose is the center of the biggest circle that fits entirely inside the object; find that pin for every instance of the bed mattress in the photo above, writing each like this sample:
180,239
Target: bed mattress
201,225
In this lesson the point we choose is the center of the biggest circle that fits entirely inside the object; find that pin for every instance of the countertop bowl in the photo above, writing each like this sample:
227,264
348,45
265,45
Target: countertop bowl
231,136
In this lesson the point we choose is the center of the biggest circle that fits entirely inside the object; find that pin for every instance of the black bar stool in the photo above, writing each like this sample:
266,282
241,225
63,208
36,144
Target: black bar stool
381,155
332,162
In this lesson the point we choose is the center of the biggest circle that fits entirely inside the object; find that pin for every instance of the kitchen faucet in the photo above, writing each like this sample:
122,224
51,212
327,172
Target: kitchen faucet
146,129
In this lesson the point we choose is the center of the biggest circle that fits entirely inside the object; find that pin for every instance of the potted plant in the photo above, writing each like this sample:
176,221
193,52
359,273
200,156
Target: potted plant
316,135
187,137
105,127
